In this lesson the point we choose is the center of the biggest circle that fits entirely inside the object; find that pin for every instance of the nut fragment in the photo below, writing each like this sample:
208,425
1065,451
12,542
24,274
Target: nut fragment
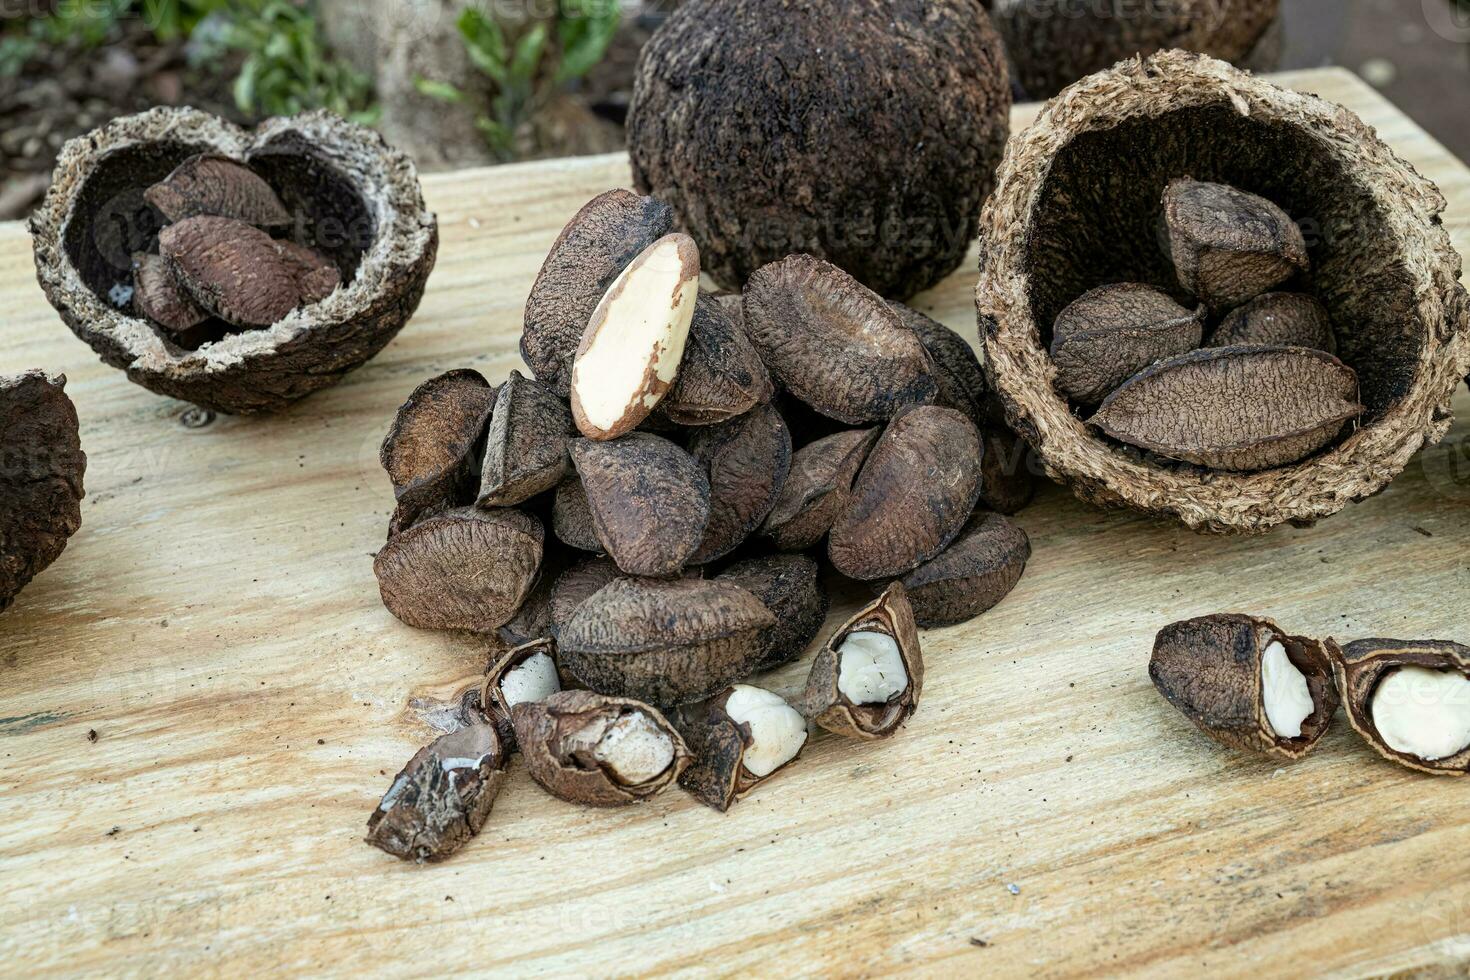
665,642
957,371
790,586
747,459
834,343
214,185
1286,319
635,340
973,574
597,750
442,797
818,489
1410,700
238,272
429,449
1229,246
866,681
1110,333
650,501
526,447
914,494
159,297
722,374
1240,680
523,675
1234,408
592,251
740,738
466,569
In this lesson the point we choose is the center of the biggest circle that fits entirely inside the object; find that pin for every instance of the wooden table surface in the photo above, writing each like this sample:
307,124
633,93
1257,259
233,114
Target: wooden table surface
217,624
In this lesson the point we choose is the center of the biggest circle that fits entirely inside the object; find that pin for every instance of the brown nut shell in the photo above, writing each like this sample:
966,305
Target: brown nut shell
957,371
491,698
747,459
667,642
1110,333
1007,479
722,374
915,492
1363,664
1210,669
818,489
233,270
465,569
209,184
526,444
442,797
435,437
790,586
578,584
717,776
975,572
1227,245
1283,319
160,297
558,738
571,516
824,703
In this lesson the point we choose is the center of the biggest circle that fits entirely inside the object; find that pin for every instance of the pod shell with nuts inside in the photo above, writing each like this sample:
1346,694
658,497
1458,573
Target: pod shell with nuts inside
1363,664
442,797
911,97
332,174
554,735
975,572
823,700
718,776
1210,669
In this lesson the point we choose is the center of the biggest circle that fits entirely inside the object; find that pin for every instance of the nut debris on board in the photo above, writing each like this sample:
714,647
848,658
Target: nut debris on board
866,680
1410,700
442,797
524,674
739,738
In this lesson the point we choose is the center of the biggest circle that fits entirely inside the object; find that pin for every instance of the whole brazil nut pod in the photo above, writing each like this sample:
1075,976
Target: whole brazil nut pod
667,642
1111,333
790,586
747,459
357,223
431,446
1410,700
818,488
526,444
1078,204
866,681
975,572
596,750
524,674
442,797
739,738
1247,684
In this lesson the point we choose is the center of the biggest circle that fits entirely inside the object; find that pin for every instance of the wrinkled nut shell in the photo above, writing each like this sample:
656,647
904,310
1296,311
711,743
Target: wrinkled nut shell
1363,664
1229,246
834,343
915,492
1007,471
434,438
217,186
722,374
552,738
1109,334
571,516
824,703
665,642
974,573
158,295
576,585
957,371
1283,319
442,797
526,445
717,776
1210,669
747,459
818,489
466,569
790,586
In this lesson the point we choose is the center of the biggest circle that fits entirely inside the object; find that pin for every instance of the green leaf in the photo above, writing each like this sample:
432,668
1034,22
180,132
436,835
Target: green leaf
443,91
485,44
585,40
528,54
244,88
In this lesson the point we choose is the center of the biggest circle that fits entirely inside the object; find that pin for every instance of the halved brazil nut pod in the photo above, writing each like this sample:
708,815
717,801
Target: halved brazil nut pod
1247,684
1286,319
593,249
739,738
523,675
913,496
1110,333
973,574
666,642
635,340
466,569
1410,699
865,683
957,371
747,459
435,438
526,445
597,750
649,499
1228,245
790,586
818,489
442,797
834,343
722,374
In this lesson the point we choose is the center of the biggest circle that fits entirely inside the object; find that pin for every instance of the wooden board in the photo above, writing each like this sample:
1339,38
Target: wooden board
217,624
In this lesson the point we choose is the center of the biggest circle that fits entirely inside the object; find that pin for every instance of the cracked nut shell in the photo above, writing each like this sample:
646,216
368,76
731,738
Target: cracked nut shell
1363,664
974,573
442,797
492,699
717,775
823,700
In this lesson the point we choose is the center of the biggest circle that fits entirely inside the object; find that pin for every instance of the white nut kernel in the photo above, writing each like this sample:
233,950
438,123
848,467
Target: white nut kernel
1284,692
871,670
1423,712
531,680
635,749
777,730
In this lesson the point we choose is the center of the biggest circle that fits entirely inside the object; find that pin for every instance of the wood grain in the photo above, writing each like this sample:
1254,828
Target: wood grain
217,624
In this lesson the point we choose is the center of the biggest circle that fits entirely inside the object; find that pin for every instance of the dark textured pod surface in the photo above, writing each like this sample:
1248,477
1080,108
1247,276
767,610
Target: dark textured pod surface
818,489
1362,664
974,573
824,702
571,516
1110,333
334,175
41,471
717,776
912,96
1210,669
665,642
722,374
747,459
790,586
576,585
526,445
433,441
442,797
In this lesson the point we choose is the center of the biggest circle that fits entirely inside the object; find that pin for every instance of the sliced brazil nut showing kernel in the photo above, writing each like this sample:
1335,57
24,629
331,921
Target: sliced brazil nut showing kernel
739,738
1410,699
213,185
790,586
635,340
430,449
1285,319
667,642
957,372
158,295
649,499
1229,246
747,459
834,343
598,750
442,797
1247,684
593,249
523,675
722,374
1110,333
526,445
974,573
866,681
238,272
818,488
465,569
1234,408
913,496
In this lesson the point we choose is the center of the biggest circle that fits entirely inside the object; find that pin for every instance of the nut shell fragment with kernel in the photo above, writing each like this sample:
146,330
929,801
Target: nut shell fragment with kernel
887,621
